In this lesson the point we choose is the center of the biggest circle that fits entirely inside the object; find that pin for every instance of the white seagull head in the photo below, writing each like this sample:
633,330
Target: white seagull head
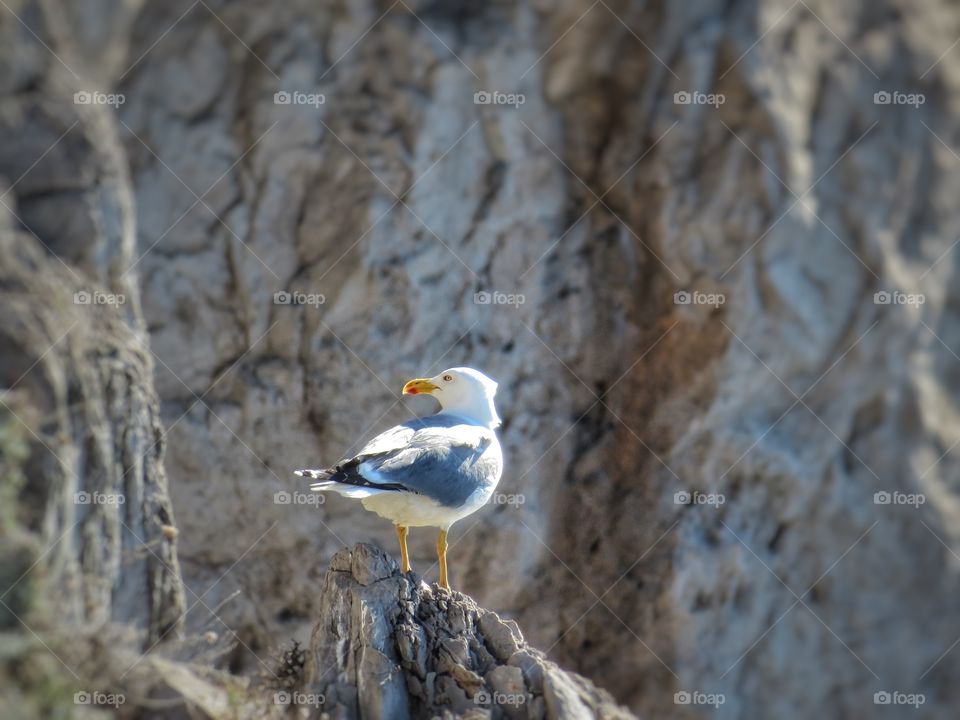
461,391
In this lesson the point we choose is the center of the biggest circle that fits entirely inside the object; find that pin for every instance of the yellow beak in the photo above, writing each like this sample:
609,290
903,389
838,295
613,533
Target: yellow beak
418,386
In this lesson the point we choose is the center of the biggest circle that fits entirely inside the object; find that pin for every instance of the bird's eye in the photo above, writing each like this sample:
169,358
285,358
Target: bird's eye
447,378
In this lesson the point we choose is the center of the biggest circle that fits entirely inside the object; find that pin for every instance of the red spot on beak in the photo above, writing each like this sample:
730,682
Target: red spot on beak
413,391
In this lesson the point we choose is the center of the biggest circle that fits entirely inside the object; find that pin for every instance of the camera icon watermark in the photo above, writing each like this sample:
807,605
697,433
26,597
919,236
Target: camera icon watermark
696,697
685,97
695,497
93,97
83,297
885,297
283,497
695,297
899,498
95,697
895,697
895,97
493,97
495,297
487,698
287,697
98,498
283,297
283,97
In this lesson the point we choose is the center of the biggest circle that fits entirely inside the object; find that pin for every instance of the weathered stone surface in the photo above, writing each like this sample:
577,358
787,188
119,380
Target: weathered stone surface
503,638
409,650
92,535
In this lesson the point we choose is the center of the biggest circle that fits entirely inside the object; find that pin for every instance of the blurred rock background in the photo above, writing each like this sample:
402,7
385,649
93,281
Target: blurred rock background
707,248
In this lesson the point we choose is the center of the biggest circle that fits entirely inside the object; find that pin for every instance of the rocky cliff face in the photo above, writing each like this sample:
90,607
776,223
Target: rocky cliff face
87,527
85,487
85,492
692,476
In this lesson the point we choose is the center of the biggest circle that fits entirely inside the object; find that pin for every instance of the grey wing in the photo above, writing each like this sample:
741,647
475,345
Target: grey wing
387,447
347,471
446,464
401,436
396,438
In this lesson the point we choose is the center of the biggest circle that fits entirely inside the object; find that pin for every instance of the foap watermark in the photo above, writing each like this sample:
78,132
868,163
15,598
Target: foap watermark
493,97
95,697
686,497
282,497
696,697
885,297
695,297
98,498
286,697
98,298
495,297
297,97
486,697
282,297
899,498
684,97
514,499
895,697
895,97
93,97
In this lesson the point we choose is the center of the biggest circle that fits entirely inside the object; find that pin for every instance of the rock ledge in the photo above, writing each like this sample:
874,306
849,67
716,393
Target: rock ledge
388,646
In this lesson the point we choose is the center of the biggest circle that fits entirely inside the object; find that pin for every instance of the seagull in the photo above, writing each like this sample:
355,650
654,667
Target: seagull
430,471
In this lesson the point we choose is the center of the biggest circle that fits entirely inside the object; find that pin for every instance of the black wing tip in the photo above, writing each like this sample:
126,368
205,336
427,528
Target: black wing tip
348,476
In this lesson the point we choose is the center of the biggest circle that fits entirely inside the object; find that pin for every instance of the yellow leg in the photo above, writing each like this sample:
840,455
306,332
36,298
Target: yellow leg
442,556
404,557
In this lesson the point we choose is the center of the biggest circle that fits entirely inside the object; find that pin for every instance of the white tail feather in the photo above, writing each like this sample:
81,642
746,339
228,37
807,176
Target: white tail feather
351,491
